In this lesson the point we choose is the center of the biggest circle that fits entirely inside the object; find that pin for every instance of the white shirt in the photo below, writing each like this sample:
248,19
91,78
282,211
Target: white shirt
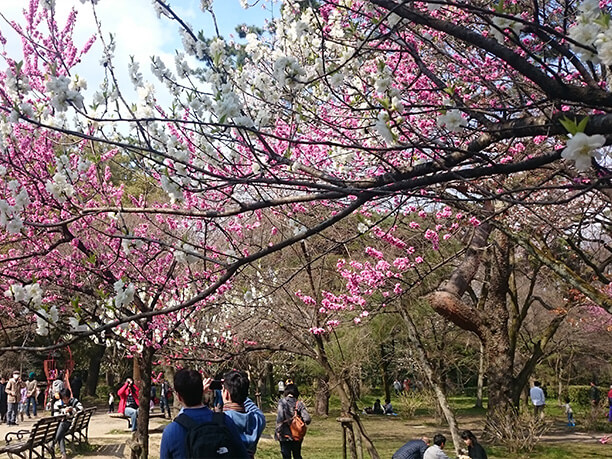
435,452
537,396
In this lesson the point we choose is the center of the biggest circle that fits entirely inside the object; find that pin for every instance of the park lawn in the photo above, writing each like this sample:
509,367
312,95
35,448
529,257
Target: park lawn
324,441
324,437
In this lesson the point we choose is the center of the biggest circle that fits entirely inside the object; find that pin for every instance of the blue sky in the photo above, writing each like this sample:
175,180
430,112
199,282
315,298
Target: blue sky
229,13
138,31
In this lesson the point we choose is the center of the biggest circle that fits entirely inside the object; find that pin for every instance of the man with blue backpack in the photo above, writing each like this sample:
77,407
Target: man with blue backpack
197,431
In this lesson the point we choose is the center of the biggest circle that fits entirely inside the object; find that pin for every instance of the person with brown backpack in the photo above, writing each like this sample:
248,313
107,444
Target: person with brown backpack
291,420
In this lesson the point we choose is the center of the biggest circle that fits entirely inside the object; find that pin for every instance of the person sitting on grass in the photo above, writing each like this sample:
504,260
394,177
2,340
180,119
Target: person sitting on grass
475,450
435,451
387,407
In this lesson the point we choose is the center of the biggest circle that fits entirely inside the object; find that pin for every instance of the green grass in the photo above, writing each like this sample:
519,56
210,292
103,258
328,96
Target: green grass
324,437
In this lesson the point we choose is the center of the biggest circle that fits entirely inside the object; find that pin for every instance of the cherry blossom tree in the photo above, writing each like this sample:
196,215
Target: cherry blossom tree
349,107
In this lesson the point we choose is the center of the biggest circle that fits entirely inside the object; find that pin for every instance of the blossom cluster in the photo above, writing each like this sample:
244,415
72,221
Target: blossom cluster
591,35
11,209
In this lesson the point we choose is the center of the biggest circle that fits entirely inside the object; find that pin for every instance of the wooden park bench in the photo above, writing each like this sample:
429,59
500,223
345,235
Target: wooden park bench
118,415
37,442
79,429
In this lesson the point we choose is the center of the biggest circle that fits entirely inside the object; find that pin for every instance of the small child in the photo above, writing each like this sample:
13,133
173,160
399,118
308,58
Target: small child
570,413
23,401
111,402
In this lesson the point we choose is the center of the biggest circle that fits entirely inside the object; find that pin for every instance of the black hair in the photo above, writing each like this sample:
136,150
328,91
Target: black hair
65,393
439,439
188,384
291,389
536,383
567,399
468,435
237,384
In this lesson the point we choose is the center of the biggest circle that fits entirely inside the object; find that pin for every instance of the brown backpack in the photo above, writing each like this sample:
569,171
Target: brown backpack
297,425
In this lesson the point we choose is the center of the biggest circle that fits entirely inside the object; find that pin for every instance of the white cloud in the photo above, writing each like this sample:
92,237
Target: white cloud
137,30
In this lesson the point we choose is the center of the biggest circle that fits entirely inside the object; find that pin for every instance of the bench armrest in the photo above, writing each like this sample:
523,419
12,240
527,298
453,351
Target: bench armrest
17,435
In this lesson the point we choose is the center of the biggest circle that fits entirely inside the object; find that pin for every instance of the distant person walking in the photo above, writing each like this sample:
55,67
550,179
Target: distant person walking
569,413
281,388
536,394
287,406
31,388
111,402
13,394
594,395
164,395
76,384
3,402
610,405
397,387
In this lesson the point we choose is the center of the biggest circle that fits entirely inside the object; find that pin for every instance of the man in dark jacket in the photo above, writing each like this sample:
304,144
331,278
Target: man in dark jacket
3,403
414,449
594,394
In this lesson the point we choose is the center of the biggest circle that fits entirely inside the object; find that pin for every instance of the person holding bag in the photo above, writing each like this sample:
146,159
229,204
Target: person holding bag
291,420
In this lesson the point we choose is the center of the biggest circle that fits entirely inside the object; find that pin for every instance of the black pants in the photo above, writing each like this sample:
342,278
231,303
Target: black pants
288,447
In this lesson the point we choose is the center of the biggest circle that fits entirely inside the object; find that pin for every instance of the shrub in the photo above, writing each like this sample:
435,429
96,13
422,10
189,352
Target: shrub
579,395
519,432
417,400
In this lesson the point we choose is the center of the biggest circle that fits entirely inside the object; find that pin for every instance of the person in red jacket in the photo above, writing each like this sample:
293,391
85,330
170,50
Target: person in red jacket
610,404
128,402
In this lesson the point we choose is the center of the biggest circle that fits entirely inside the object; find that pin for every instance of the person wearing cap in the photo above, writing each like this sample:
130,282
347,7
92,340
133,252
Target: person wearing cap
13,392
31,386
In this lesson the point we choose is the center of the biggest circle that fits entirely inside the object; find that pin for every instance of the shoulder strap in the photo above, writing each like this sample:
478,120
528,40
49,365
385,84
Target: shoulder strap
189,423
219,418
186,421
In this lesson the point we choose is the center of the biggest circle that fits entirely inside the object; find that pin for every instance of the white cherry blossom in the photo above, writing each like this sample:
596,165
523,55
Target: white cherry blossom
580,148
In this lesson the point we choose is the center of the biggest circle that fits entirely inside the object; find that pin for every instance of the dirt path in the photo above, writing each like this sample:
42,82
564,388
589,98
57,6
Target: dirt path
107,436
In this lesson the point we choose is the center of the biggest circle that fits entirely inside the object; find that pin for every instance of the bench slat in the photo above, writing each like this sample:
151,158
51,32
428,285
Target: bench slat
42,436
